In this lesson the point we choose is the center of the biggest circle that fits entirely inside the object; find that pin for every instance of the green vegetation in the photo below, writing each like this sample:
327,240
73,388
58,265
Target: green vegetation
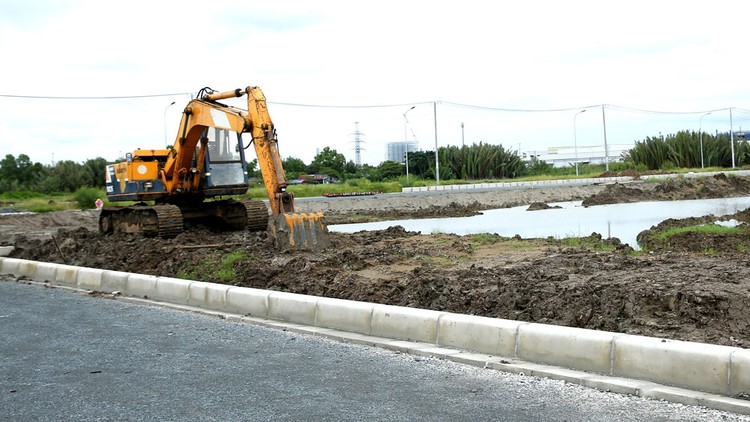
441,261
484,238
477,163
20,174
683,150
590,243
86,197
258,191
44,205
37,202
711,229
221,269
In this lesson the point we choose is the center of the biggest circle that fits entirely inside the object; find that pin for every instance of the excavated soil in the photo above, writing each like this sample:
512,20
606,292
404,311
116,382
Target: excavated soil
679,289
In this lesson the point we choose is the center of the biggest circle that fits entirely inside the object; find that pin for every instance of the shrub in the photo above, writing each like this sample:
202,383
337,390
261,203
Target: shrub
86,197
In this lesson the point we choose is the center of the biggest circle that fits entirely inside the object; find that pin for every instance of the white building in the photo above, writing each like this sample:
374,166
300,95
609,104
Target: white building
397,151
568,155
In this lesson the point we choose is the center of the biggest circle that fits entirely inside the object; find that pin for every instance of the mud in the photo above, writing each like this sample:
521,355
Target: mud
680,290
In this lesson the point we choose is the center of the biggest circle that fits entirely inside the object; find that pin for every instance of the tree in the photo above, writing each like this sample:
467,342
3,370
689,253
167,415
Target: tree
538,167
420,163
20,173
293,167
8,169
67,176
252,168
329,159
96,168
351,169
480,161
390,170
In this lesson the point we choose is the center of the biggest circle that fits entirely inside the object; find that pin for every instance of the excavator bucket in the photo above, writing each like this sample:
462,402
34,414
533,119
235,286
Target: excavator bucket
298,231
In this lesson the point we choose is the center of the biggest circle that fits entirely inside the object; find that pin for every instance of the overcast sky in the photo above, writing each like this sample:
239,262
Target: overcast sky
471,57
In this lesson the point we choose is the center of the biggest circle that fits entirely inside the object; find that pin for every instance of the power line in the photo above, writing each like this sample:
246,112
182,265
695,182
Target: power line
636,110
476,107
113,97
361,106
347,106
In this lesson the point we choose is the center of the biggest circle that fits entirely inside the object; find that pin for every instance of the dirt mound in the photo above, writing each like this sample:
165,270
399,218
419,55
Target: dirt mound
692,288
453,209
727,235
537,206
687,297
679,188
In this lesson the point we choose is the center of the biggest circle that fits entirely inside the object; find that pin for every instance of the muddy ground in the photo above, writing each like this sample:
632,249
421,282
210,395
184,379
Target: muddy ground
678,289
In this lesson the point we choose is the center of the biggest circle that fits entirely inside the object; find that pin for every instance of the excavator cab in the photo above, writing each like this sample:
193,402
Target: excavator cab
225,159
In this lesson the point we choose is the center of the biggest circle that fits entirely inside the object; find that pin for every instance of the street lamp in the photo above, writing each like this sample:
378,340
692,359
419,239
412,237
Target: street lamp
165,122
606,149
700,134
437,158
406,143
575,138
731,135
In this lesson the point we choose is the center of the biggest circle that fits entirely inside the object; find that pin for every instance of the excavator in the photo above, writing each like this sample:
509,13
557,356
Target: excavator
206,163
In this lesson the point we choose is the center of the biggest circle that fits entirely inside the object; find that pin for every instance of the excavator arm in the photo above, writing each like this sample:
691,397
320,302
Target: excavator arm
286,229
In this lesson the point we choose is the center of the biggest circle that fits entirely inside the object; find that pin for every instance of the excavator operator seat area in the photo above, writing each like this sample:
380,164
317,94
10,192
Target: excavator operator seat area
226,161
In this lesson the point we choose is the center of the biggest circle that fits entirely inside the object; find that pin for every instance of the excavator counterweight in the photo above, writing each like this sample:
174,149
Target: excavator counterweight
205,163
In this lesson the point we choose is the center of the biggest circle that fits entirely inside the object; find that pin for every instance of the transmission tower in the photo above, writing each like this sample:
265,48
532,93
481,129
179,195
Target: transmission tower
358,145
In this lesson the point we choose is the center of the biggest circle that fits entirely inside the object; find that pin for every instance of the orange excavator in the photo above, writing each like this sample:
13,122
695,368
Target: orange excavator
207,162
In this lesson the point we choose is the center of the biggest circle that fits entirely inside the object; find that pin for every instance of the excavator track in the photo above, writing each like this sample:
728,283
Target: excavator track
257,215
241,215
159,220
169,221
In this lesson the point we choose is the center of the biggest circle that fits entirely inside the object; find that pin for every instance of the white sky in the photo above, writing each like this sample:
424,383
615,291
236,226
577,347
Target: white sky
657,55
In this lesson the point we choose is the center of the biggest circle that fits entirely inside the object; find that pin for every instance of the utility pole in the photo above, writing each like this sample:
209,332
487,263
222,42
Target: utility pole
437,160
606,150
575,138
358,145
166,142
463,144
731,134
406,143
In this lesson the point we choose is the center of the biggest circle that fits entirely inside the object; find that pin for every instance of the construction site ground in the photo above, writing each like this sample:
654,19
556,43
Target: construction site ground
692,287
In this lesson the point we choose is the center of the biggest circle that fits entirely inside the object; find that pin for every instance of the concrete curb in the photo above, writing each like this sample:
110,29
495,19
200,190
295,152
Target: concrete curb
553,183
650,367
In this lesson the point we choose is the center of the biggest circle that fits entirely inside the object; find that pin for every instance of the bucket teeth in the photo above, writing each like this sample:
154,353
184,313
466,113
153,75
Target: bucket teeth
299,231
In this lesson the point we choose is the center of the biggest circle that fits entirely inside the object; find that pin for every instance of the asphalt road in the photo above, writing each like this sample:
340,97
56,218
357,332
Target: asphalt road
68,356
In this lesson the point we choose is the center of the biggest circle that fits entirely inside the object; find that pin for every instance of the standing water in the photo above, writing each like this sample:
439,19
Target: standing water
623,221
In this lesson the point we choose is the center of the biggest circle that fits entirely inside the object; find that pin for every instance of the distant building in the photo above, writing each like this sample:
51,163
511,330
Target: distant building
566,156
397,151
313,179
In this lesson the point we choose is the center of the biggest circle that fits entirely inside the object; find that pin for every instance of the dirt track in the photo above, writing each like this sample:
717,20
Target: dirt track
693,294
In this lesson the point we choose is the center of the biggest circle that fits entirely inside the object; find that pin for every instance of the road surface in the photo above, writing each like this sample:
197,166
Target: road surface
69,356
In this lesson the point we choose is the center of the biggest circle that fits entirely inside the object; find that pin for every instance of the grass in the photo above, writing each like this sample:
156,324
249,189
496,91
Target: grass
258,191
441,261
594,245
711,229
45,204
215,269
41,203
480,239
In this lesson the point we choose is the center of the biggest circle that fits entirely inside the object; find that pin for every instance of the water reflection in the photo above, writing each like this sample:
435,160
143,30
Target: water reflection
623,221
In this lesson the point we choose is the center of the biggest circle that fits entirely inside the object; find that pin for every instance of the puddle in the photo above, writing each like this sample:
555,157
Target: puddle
623,221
